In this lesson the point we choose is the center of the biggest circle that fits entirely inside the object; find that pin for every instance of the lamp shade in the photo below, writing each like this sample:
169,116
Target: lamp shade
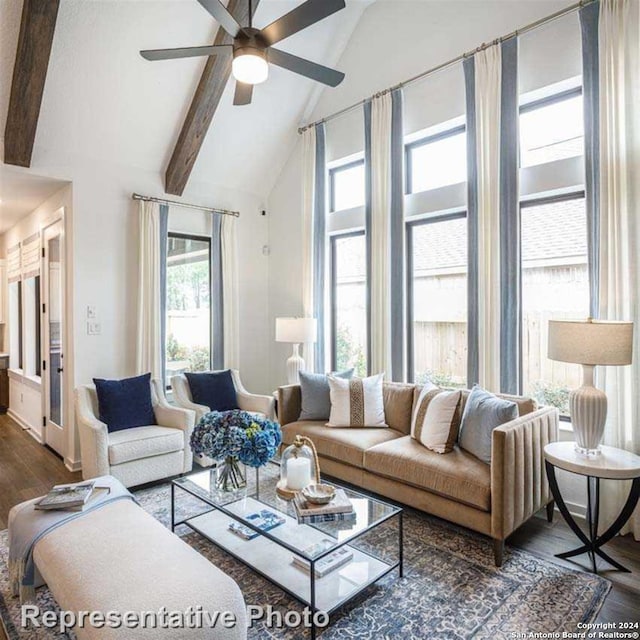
591,342
296,330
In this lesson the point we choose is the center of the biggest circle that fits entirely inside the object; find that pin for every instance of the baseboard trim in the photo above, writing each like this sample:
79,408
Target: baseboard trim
19,420
73,465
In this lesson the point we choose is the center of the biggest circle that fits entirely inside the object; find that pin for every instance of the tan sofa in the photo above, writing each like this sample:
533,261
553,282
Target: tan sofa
493,499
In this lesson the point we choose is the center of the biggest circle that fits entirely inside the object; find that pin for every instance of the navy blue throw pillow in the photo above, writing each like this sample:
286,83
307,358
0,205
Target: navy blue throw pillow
126,403
214,390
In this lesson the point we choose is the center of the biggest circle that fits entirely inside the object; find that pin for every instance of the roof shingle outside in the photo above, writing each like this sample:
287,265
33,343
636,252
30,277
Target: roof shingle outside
550,232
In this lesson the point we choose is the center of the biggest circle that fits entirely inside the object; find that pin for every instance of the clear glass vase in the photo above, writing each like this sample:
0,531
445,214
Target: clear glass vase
230,475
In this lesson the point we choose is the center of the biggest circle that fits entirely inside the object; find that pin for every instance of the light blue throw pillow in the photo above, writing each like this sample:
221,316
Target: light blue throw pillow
482,414
316,398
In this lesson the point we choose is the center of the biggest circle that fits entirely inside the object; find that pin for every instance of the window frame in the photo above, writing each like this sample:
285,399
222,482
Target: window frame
536,201
538,103
38,324
410,226
199,238
332,184
333,293
422,142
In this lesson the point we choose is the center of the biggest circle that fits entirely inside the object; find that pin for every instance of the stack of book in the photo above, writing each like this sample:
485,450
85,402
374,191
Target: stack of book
71,497
339,509
327,564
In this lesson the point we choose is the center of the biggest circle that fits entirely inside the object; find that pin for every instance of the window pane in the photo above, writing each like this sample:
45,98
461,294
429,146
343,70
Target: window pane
555,285
348,187
188,305
439,296
439,163
350,312
552,132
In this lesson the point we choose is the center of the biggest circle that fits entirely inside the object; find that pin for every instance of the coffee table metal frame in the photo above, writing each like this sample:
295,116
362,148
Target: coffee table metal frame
396,512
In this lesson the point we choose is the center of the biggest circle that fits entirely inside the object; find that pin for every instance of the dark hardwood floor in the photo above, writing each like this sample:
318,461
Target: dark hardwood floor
28,469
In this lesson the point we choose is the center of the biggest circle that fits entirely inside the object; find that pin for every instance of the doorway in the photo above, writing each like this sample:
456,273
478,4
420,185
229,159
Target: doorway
53,323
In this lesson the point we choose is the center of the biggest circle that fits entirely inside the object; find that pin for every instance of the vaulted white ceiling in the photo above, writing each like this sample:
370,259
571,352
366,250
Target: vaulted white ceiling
102,101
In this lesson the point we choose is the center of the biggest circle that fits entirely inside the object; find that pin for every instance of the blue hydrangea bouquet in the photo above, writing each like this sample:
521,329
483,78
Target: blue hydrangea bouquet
234,436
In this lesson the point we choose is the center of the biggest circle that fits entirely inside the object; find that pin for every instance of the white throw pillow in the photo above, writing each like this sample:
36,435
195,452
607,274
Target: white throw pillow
357,402
436,418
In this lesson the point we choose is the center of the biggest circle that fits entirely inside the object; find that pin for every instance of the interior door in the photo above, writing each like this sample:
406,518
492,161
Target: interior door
53,343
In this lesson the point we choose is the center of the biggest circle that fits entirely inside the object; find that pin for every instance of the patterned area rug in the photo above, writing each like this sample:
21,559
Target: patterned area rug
451,589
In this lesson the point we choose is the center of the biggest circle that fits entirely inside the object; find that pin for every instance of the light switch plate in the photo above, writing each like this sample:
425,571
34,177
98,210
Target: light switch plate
91,312
93,328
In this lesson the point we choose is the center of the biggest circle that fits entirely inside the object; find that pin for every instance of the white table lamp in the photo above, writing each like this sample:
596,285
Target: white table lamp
296,331
589,343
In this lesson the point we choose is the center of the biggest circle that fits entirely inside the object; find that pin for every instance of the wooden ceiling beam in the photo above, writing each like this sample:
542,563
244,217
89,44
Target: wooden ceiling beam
203,106
29,74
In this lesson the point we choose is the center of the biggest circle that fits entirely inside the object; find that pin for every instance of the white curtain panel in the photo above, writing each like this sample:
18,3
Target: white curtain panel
619,46
488,94
308,198
149,334
380,235
230,284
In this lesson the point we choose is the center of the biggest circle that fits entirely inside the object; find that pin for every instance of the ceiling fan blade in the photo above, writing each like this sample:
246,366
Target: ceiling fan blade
306,68
303,16
242,94
222,16
186,52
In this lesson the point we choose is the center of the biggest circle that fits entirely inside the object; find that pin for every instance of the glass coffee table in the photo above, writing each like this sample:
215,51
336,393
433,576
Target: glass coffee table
373,538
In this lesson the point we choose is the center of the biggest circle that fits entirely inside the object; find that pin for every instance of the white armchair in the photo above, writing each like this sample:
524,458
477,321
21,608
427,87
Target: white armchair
246,401
140,454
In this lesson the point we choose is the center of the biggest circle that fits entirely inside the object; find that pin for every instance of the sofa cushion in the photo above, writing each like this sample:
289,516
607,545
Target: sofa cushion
357,402
125,403
316,398
398,405
436,418
459,475
482,414
346,444
215,390
143,442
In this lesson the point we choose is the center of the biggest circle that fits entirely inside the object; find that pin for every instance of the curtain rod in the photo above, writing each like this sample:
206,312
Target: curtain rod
530,27
224,212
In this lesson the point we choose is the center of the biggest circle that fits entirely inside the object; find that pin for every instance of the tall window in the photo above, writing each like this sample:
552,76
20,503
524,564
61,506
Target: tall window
349,302
437,161
555,285
346,186
437,272
188,321
552,128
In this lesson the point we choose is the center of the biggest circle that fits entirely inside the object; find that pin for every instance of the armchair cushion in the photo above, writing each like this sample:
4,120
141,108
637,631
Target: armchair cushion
215,390
143,442
126,403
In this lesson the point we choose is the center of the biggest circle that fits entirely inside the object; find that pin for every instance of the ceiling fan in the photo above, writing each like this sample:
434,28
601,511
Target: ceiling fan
253,50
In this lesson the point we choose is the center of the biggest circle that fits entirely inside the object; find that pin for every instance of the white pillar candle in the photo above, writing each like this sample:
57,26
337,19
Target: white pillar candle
298,473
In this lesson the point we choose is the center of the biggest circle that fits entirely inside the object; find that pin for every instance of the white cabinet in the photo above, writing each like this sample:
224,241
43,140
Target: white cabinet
3,294
25,403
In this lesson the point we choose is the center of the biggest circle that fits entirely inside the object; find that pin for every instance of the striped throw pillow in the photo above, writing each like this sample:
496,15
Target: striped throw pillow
357,402
436,418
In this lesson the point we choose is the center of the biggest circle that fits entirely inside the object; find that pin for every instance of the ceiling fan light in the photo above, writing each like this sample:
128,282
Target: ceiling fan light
251,68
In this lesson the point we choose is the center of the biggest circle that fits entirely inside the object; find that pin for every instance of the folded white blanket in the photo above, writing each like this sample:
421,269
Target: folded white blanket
27,525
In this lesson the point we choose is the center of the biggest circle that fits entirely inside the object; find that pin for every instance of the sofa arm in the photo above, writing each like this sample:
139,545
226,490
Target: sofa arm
289,403
519,485
94,437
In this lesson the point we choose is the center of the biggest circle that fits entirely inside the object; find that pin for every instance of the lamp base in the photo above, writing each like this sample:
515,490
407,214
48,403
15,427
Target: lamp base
588,414
295,364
